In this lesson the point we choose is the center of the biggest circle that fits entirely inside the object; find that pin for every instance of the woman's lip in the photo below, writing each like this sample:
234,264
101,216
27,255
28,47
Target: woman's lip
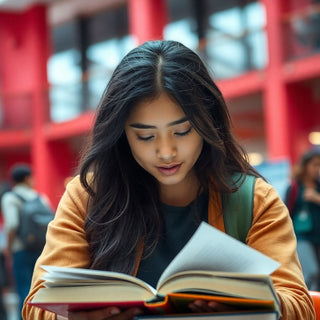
169,170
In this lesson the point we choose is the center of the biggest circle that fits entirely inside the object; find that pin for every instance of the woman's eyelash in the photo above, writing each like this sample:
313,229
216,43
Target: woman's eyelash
145,138
184,133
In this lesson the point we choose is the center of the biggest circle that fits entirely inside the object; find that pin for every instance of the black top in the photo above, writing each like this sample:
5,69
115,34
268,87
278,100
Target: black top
179,224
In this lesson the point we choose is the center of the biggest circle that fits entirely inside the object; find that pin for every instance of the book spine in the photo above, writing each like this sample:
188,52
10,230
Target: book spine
160,307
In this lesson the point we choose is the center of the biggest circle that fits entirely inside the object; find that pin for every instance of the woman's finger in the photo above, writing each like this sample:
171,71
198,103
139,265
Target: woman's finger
208,306
200,306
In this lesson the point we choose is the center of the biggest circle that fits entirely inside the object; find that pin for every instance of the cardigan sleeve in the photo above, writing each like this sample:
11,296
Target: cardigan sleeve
272,234
66,243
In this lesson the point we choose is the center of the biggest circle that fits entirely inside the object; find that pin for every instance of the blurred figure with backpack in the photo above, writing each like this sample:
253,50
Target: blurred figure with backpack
3,274
303,201
26,215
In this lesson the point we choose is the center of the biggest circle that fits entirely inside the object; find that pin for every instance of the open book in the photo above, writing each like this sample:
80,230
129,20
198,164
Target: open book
211,266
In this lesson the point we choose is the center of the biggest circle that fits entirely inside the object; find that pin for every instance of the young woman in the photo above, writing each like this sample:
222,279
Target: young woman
303,201
162,155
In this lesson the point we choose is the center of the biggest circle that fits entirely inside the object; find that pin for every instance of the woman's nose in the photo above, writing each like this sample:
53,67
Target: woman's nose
166,149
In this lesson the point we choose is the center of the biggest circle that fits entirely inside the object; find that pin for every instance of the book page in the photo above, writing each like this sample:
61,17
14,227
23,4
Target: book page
62,275
211,249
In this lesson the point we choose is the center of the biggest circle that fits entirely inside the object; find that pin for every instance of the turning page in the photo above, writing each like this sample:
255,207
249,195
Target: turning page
211,249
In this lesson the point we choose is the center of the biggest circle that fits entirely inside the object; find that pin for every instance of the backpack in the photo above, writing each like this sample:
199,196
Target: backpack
292,195
238,209
302,219
34,219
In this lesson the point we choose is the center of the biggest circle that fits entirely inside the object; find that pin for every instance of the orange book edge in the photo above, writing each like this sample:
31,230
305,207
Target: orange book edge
172,303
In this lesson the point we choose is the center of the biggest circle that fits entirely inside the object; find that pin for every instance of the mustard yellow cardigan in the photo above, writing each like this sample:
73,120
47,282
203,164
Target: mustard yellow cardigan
271,233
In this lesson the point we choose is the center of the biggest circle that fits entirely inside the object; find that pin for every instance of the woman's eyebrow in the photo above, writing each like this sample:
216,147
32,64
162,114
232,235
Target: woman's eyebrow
147,126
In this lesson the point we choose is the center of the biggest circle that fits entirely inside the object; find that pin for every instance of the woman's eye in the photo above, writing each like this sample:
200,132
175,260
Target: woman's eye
183,133
145,138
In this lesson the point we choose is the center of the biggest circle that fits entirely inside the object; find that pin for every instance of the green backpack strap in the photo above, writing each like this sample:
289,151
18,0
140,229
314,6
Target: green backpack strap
238,208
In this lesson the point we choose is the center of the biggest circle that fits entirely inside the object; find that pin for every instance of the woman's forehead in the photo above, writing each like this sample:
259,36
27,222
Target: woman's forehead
161,108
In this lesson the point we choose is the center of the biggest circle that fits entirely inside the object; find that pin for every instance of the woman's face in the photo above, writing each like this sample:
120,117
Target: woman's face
313,168
163,141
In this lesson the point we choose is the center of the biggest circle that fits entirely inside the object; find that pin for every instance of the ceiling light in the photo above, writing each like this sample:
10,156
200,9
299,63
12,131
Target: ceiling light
314,138
255,158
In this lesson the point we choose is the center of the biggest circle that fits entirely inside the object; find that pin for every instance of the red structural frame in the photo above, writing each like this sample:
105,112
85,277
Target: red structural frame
24,51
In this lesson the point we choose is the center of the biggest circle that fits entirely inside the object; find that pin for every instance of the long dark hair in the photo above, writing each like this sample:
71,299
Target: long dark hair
124,198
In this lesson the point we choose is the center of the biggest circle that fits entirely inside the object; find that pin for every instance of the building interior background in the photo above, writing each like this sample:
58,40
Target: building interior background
56,57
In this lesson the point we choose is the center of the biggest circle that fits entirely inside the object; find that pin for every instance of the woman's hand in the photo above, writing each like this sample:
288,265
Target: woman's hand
201,306
311,195
113,313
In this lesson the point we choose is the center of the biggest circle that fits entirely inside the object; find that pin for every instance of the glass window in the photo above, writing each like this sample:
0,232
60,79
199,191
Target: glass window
182,30
256,16
104,57
64,74
236,40
301,29
234,37
182,26
86,51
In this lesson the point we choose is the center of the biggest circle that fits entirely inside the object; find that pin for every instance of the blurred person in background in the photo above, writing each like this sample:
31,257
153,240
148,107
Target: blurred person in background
23,260
303,201
3,272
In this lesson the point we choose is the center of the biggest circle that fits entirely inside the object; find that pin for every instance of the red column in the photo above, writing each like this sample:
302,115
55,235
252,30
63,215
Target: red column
24,52
147,18
37,32
14,72
275,102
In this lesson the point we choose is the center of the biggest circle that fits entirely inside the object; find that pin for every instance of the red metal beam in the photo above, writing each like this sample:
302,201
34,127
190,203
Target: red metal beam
15,139
81,125
248,83
302,69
